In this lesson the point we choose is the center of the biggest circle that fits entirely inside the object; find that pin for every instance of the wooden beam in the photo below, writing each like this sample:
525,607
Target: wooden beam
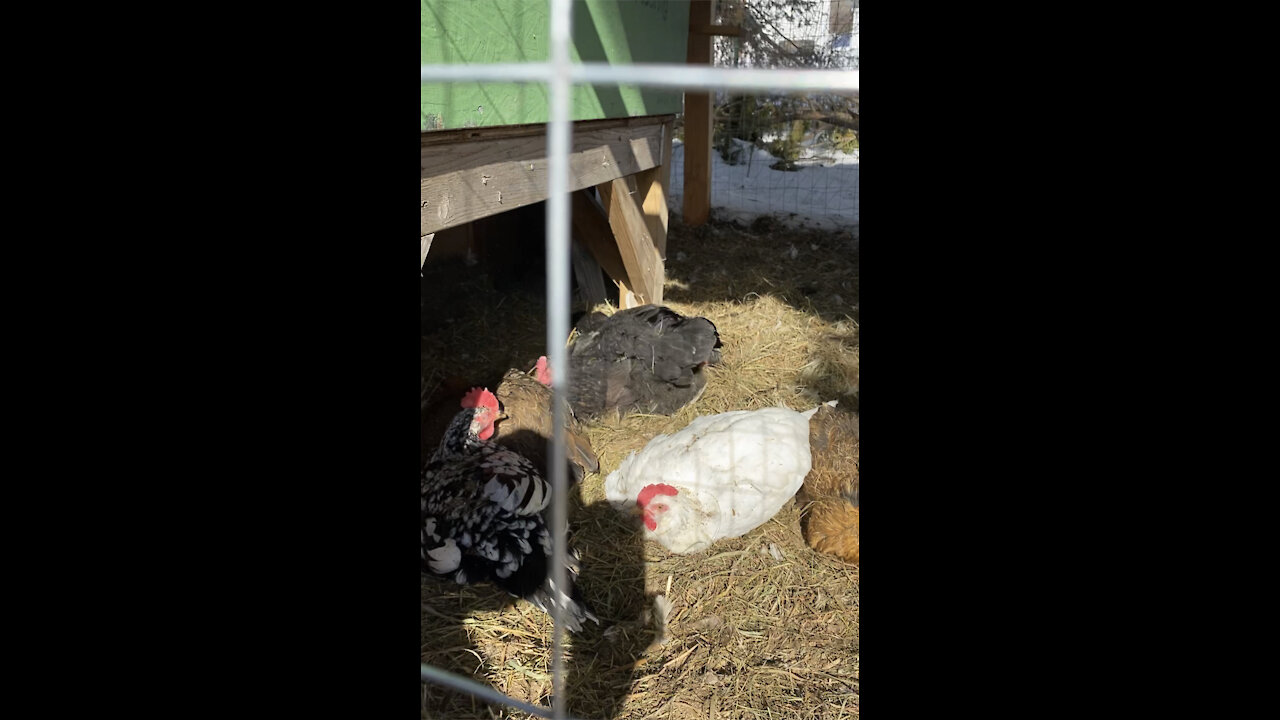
496,132
668,136
465,181
653,205
664,187
455,243
590,278
721,30
426,247
591,229
697,124
635,241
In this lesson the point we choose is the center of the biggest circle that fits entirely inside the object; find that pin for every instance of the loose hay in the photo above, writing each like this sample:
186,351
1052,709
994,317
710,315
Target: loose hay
747,635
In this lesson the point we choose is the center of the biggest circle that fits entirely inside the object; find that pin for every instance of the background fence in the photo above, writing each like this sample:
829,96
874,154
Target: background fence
792,156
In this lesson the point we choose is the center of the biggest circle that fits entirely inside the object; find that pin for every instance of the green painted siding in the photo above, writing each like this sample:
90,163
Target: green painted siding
491,31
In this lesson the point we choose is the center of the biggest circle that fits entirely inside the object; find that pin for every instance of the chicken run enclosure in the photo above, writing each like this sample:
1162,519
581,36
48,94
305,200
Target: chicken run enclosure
548,134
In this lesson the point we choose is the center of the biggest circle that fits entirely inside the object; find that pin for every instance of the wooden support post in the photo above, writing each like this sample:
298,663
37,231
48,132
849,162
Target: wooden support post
591,228
668,135
653,207
722,30
590,279
635,240
426,248
697,124
656,194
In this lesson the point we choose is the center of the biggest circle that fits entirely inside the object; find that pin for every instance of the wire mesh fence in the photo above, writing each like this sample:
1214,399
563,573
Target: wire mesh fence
796,157
786,104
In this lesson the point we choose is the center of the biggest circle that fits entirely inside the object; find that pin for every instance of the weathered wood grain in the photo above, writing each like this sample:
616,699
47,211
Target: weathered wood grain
591,229
469,180
634,238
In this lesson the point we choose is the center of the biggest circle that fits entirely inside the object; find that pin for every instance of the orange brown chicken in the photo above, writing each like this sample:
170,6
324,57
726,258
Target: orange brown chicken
830,492
526,424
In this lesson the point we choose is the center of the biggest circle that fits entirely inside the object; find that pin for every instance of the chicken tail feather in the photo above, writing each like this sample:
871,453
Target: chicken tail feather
575,609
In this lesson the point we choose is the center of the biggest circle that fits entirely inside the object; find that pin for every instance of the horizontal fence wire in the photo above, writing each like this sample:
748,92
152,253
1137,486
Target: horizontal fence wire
462,684
666,75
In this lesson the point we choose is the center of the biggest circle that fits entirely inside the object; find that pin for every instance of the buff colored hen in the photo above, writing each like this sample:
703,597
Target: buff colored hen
527,423
830,520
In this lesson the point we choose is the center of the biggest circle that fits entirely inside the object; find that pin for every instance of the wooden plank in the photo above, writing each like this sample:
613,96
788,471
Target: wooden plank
462,182
590,278
697,125
653,206
591,229
635,241
668,135
455,243
426,247
449,137
653,185
721,30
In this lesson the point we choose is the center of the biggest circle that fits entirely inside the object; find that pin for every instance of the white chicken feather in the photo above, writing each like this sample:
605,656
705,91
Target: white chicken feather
722,476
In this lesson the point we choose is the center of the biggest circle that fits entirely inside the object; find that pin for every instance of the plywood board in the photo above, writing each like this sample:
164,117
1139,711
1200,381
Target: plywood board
496,31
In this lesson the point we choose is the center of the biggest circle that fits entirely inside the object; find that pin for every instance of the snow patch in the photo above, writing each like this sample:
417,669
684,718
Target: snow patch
822,193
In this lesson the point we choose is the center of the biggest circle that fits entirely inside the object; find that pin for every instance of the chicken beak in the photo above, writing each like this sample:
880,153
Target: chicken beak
636,511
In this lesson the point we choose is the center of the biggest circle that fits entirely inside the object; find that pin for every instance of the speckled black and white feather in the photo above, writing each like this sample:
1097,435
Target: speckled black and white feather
483,521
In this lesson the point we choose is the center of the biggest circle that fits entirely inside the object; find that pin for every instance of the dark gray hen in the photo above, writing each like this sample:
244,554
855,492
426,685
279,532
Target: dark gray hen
482,516
647,359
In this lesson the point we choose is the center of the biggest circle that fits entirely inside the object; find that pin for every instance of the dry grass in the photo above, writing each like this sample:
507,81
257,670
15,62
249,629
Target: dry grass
759,626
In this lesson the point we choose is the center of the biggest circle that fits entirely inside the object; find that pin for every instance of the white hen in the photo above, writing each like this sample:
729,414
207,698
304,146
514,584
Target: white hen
722,476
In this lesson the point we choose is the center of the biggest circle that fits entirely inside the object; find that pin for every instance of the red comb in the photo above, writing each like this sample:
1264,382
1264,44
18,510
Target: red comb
650,490
478,396
543,372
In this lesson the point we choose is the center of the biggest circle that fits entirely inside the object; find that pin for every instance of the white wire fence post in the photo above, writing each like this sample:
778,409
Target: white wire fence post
558,145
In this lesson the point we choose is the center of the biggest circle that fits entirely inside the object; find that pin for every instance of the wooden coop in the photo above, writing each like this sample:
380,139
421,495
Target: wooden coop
484,143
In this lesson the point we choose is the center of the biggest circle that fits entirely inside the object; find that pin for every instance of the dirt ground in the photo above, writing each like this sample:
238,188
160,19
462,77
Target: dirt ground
759,626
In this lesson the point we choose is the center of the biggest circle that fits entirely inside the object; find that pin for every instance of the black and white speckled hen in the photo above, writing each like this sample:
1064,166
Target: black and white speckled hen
647,359
482,515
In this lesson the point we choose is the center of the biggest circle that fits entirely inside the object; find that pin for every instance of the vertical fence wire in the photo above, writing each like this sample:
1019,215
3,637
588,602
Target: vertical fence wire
558,142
